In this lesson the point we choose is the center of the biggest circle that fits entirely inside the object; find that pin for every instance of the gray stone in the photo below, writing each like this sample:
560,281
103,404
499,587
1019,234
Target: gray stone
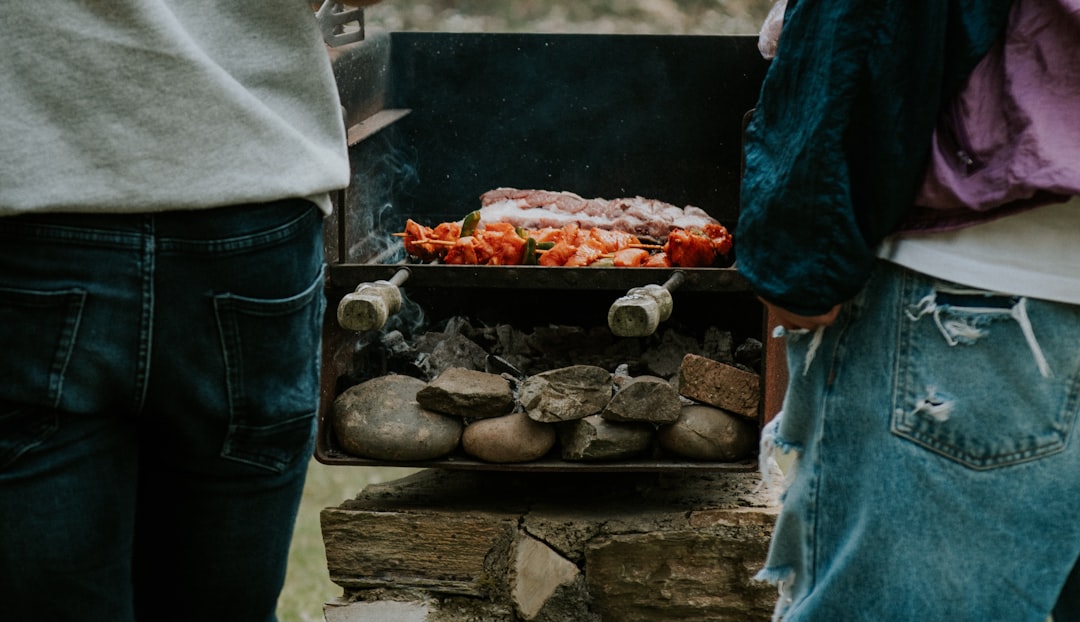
644,398
510,438
467,393
381,419
566,393
708,433
595,438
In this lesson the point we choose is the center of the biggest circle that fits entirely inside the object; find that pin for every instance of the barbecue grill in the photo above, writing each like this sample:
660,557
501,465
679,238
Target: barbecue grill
437,119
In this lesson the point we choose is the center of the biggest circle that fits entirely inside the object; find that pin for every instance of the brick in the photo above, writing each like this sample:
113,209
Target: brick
720,385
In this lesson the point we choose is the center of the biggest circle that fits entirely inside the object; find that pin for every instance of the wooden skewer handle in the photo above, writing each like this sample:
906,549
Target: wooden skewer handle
640,311
371,304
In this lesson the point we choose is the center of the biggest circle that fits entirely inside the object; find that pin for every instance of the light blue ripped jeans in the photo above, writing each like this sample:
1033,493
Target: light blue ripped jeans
937,473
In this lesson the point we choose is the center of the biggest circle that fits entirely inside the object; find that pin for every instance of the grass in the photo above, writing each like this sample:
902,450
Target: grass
307,581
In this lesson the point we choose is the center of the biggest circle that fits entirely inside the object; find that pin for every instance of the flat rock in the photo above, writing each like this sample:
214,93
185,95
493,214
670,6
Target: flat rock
381,419
644,398
511,438
467,393
566,393
596,438
708,433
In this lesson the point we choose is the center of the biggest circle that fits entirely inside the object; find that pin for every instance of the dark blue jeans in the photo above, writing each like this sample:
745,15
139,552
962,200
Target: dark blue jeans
158,390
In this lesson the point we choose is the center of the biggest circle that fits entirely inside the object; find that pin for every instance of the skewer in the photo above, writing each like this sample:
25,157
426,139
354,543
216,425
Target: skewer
425,240
384,255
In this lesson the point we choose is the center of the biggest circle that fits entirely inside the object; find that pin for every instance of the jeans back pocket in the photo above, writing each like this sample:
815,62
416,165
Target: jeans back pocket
36,345
968,387
271,349
37,342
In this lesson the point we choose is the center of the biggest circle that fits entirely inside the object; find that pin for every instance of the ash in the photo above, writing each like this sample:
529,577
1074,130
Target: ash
522,352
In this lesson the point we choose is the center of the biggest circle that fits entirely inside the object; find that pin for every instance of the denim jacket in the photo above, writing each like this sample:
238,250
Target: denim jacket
840,137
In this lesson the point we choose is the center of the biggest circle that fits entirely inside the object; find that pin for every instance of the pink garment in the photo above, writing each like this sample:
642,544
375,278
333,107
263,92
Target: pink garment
1011,139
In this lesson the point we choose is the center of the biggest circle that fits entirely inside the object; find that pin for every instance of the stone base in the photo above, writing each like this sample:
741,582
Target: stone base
494,546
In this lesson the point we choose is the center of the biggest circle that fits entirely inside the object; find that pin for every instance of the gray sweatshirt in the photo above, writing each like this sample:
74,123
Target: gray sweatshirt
151,105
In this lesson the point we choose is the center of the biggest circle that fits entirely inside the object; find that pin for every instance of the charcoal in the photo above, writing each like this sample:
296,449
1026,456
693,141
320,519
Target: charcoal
717,345
457,351
749,354
665,357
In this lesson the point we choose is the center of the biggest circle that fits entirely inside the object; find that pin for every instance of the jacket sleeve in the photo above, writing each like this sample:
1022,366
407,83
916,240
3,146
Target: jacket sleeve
839,139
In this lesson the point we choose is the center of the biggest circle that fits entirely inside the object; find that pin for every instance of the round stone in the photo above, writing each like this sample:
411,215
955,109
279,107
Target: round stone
510,438
707,433
381,419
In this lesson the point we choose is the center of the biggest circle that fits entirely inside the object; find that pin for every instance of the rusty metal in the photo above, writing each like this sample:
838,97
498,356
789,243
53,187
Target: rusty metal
328,454
716,280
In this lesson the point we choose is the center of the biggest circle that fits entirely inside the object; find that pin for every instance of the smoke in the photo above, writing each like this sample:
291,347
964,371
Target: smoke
382,171
409,320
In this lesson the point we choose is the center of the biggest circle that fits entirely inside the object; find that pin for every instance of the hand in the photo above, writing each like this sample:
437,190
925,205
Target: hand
794,321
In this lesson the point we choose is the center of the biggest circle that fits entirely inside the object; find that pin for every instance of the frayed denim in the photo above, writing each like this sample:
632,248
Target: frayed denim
935,473
158,391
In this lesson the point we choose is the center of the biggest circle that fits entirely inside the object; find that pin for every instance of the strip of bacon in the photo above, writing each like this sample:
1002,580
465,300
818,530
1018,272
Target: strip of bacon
536,209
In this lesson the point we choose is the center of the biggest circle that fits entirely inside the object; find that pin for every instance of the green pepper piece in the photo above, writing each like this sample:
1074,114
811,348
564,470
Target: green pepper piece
530,252
603,262
545,246
468,225
521,232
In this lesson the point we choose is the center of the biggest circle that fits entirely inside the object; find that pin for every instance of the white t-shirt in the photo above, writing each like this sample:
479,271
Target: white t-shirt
1035,253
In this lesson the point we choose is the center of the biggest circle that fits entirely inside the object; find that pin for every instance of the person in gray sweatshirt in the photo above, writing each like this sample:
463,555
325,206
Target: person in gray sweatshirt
165,169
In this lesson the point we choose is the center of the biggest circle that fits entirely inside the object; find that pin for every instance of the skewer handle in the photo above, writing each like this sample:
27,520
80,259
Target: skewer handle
640,311
371,304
